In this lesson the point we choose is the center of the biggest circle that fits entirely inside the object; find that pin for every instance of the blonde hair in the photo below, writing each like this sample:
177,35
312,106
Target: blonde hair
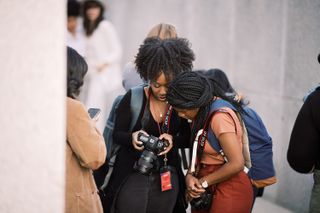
163,31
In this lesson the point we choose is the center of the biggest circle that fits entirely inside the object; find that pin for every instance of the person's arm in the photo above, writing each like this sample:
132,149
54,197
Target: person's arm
83,137
235,164
304,142
121,134
232,150
224,128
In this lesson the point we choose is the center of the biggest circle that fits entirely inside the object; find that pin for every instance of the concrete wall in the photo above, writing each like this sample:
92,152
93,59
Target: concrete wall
267,47
32,109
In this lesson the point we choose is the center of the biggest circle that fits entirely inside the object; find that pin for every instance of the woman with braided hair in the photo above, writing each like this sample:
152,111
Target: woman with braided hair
140,183
192,95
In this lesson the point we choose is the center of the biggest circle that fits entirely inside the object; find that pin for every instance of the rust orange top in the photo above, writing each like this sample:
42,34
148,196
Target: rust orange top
225,121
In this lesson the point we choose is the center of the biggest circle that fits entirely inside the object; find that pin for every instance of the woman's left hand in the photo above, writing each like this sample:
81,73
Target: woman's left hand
194,188
168,138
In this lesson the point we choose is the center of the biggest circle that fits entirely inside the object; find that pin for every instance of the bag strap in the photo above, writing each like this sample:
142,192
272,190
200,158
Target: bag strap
135,107
214,142
198,147
136,104
217,106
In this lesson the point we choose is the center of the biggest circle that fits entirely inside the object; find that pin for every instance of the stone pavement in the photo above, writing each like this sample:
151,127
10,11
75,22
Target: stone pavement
264,206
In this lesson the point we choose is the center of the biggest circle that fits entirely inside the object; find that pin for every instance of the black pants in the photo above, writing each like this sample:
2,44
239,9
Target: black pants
142,194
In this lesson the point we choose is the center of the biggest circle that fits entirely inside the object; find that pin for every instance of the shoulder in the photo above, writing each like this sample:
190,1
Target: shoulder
225,113
225,120
75,107
314,97
74,104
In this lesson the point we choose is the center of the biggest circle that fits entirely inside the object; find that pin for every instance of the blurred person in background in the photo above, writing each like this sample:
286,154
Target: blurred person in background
304,147
103,54
75,36
130,77
85,147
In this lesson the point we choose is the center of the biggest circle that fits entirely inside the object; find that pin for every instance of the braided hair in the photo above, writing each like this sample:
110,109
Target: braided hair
170,56
219,78
191,90
76,70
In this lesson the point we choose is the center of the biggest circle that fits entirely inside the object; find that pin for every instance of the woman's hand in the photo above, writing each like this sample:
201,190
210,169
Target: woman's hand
138,145
169,139
194,188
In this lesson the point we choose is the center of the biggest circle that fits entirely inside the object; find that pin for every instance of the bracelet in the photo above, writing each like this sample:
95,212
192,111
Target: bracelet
190,173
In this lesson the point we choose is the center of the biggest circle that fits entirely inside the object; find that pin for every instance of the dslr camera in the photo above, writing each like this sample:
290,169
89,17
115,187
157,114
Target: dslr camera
203,202
152,147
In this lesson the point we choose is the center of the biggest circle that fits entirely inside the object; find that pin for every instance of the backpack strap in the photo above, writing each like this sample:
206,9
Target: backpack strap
136,104
217,106
135,107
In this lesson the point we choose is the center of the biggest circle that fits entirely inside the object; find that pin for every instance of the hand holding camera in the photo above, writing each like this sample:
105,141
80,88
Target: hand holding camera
198,193
194,186
152,146
137,144
167,138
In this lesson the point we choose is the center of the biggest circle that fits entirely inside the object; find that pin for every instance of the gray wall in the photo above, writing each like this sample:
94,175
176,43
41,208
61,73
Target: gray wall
267,47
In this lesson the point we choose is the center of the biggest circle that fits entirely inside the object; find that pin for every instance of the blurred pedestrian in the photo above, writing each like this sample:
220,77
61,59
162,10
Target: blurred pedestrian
85,147
103,54
304,147
75,36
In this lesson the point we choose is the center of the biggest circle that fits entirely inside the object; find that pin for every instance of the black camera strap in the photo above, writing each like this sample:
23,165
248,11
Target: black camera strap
165,129
166,123
201,144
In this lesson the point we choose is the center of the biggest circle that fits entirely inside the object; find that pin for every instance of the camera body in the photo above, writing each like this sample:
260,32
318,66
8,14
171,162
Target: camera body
152,147
202,202
152,143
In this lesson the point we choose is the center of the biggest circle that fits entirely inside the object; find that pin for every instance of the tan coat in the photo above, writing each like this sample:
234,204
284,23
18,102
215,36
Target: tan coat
85,150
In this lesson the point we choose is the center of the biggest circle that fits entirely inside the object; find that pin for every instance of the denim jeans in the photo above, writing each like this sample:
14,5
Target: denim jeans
142,194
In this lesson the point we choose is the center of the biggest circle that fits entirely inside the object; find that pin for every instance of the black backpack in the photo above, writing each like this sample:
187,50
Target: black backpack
103,174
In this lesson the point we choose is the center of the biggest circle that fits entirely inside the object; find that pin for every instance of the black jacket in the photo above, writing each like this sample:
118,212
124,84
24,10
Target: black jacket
304,147
127,156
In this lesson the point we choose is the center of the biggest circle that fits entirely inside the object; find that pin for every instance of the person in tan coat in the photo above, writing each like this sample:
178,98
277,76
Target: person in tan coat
85,147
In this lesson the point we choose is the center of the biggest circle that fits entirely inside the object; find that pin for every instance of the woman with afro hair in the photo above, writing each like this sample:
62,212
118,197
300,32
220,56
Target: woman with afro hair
139,188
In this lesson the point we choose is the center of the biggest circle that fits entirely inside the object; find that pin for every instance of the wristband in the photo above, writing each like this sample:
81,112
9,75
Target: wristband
189,173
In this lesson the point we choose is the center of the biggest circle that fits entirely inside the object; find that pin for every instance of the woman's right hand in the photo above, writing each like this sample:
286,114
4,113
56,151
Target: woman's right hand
138,145
193,186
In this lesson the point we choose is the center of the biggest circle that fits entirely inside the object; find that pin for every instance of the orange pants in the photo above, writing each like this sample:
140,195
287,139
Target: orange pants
234,195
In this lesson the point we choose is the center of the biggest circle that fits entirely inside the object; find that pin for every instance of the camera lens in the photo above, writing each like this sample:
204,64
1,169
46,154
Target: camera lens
152,147
145,162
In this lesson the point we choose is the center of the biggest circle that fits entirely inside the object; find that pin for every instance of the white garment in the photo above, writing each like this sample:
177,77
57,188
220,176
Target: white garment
76,41
100,88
